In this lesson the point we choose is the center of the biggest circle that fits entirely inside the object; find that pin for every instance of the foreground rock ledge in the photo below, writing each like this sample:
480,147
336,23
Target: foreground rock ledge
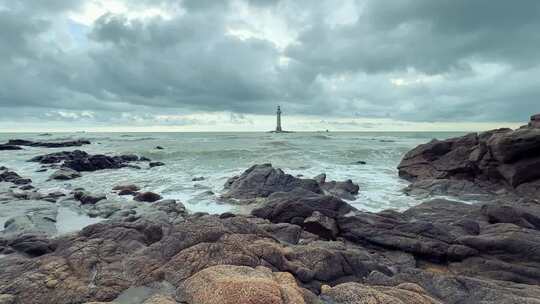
437,252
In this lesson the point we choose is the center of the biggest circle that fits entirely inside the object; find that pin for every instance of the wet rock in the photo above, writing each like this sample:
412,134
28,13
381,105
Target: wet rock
284,207
40,222
493,160
156,164
360,162
159,148
81,161
31,245
65,174
345,190
263,180
5,147
143,158
88,199
226,215
26,187
126,189
197,179
12,177
356,293
147,197
62,144
229,284
321,225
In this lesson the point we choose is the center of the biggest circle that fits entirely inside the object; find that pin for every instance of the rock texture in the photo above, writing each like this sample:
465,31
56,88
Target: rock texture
437,252
12,177
497,160
57,144
226,284
263,180
81,161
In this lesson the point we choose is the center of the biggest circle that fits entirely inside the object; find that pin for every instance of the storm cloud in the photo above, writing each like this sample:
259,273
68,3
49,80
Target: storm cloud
105,62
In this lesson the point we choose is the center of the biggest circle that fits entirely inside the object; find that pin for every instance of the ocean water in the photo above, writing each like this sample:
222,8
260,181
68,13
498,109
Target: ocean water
218,156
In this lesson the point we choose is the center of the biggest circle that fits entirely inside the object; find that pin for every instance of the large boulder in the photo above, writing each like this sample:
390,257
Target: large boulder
227,284
263,180
493,160
297,205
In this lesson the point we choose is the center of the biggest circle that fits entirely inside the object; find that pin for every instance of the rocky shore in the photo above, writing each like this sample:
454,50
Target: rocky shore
301,243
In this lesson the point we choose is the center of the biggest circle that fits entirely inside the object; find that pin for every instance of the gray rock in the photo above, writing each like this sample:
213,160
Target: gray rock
263,180
147,197
321,225
65,174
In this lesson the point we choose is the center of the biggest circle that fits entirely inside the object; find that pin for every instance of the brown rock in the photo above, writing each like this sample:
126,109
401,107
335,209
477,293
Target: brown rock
356,293
227,284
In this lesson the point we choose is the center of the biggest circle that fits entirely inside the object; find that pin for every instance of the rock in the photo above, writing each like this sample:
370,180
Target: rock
284,207
197,179
5,147
7,299
321,225
31,245
227,284
147,197
81,161
156,164
39,222
12,177
433,240
356,293
360,162
129,187
65,174
159,147
345,190
284,232
88,199
143,158
226,215
62,144
263,180
493,160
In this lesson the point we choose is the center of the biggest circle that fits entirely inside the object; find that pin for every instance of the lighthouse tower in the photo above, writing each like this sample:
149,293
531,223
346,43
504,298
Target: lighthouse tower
278,116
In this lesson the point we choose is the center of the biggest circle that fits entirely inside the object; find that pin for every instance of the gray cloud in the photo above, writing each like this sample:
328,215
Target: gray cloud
408,60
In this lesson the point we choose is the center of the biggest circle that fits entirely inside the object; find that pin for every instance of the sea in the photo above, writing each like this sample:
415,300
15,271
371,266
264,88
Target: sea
215,157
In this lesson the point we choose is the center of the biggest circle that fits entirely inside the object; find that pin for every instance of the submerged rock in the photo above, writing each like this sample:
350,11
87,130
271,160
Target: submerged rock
6,147
147,197
60,144
12,177
87,198
81,161
65,174
156,164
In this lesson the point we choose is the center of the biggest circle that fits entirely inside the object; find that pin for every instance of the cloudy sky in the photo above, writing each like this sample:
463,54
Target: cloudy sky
211,65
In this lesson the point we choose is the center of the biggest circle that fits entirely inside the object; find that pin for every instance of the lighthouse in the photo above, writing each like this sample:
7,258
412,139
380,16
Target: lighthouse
278,117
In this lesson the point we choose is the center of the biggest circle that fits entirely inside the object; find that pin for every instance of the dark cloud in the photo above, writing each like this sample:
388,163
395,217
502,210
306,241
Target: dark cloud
414,60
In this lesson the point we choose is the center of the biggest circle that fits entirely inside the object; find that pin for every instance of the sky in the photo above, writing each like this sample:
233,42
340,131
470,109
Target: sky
214,65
